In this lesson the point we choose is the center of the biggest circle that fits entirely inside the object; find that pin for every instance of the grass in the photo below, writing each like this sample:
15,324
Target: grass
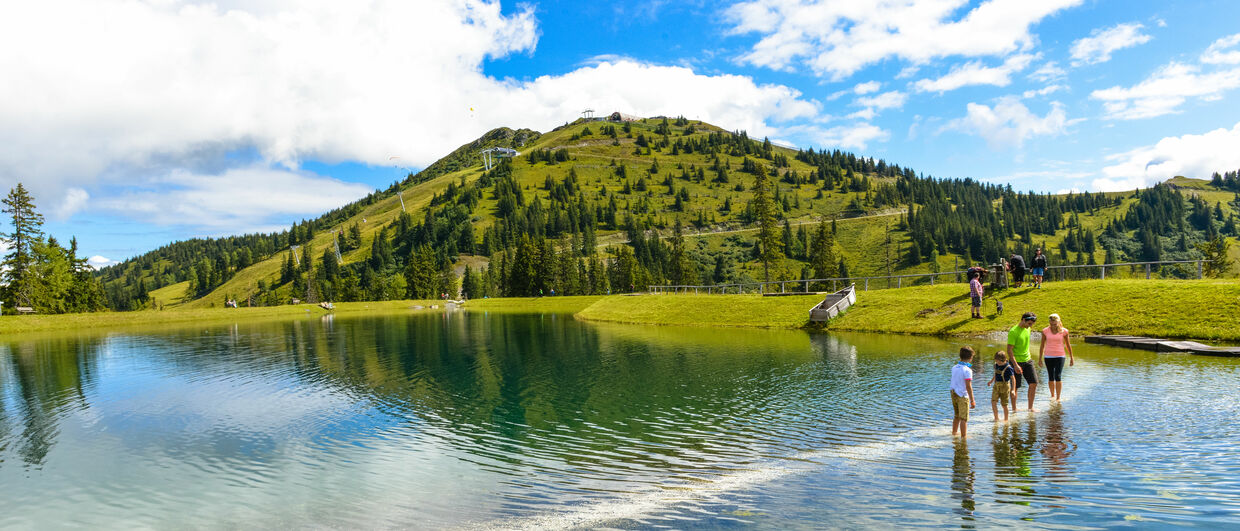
532,304
118,320
749,311
1197,309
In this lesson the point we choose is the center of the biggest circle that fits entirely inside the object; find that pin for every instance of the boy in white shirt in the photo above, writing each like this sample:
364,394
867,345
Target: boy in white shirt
962,392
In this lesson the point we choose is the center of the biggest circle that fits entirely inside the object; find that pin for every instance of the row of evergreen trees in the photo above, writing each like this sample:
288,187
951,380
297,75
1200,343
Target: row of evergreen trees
38,272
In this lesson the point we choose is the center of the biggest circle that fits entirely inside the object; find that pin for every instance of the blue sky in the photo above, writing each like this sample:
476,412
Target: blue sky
144,122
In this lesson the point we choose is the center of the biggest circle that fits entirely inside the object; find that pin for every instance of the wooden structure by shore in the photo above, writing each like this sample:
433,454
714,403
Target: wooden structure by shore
833,305
1163,345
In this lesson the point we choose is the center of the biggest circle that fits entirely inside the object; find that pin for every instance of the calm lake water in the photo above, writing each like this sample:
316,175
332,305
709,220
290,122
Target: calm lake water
533,421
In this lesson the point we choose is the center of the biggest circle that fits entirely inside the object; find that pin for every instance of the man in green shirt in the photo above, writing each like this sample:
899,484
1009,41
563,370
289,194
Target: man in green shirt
1018,355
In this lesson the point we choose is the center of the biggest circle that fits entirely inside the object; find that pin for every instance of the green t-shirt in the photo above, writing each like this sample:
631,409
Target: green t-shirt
1018,337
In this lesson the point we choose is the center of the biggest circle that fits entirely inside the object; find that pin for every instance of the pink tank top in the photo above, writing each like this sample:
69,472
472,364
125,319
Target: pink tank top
1054,342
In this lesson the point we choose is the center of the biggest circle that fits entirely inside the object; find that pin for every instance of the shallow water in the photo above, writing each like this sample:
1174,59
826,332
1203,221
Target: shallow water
469,420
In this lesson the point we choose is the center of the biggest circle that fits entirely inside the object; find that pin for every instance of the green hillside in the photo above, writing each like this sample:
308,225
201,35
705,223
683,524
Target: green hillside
594,206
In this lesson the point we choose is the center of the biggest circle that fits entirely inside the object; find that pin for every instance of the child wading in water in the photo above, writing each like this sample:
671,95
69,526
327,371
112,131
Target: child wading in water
962,392
1003,379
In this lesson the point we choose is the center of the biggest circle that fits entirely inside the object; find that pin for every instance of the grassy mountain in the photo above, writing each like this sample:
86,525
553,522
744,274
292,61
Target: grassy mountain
592,206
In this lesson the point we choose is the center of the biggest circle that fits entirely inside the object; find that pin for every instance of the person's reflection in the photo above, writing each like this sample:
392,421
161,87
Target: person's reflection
1057,447
962,480
1013,450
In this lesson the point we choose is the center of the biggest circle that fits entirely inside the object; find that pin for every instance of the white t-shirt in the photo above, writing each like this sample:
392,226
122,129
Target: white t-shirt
961,374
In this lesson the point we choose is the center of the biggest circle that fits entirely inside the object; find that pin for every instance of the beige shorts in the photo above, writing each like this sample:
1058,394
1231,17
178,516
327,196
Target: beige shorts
960,404
1001,393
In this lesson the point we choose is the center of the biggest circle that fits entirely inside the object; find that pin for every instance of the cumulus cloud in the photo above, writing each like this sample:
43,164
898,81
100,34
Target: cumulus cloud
174,89
1223,51
1097,47
100,262
975,73
836,39
1048,73
1009,123
1165,90
1188,155
867,87
74,200
855,136
238,197
1047,90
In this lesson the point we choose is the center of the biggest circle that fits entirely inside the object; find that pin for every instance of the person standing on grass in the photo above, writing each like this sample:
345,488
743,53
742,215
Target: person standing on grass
1055,344
962,392
975,295
1039,268
1016,264
1018,354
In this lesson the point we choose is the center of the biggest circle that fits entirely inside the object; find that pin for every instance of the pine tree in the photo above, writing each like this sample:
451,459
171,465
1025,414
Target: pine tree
20,284
764,213
822,252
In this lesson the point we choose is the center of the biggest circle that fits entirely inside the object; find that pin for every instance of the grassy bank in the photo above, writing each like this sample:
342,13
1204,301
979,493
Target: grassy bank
1199,309
751,311
532,304
17,324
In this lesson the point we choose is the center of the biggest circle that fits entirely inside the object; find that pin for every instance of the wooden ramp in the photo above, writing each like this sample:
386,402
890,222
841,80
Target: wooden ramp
833,305
1163,345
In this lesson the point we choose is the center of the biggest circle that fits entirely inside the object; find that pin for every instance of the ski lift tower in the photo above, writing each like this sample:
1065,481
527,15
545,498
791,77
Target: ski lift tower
489,155
588,114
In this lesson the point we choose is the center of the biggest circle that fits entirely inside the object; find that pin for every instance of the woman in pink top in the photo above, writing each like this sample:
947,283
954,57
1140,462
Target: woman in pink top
1055,345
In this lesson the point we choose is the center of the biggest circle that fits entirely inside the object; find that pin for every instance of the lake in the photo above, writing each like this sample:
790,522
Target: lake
450,420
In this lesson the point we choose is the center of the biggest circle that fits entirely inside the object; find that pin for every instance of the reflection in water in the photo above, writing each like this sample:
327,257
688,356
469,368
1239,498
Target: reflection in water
962,480
1013,450
38,389
449,419
1057,447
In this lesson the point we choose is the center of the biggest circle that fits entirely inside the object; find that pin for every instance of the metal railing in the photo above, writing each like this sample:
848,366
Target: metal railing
1053,274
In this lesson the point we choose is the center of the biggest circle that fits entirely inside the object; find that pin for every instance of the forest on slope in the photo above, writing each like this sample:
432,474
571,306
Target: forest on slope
596,207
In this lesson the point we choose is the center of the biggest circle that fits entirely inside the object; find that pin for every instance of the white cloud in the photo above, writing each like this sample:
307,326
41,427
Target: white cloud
1048,72
855,136
100,262
835,39
169,88
75,199
236,200
1097,47
1223,51
867,87
1165,90
887,100
975,73
1188,155
1049,89
1009,123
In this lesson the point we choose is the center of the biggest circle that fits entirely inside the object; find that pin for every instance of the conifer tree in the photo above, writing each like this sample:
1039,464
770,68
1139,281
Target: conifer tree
764,214
822,252
26,232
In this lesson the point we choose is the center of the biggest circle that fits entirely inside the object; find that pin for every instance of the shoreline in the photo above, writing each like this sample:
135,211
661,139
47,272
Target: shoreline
1202,310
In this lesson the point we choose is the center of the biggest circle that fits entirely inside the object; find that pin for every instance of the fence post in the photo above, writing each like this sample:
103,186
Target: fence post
1199,269
867,283
1147,271
781,286
900,282
1104,272
931,280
